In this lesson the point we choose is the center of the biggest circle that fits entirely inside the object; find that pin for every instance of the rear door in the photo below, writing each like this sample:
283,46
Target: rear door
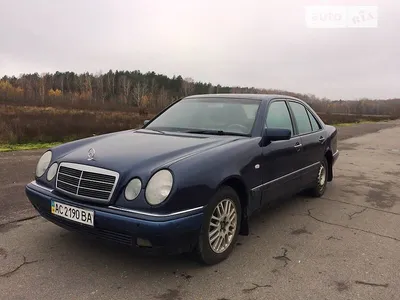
312,140
280,159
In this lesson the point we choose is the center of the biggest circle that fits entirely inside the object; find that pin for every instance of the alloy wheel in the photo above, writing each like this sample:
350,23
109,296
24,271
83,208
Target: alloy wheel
222,227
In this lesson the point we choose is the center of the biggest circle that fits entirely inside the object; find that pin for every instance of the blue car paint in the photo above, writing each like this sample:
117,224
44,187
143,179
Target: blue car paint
199,164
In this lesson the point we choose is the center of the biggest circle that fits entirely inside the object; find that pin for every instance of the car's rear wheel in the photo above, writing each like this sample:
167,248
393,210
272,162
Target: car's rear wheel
220,227
321,181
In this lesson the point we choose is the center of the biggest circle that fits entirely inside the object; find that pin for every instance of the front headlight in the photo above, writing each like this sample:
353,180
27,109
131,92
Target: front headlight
159,187
43,163
133,188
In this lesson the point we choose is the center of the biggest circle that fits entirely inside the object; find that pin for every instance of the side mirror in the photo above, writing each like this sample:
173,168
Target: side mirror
275,134
145,122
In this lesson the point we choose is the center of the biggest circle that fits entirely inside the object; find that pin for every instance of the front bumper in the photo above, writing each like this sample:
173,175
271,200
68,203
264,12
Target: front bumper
173,233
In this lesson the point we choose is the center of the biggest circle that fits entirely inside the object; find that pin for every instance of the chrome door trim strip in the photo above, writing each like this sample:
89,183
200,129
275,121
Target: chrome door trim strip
192,210
284,176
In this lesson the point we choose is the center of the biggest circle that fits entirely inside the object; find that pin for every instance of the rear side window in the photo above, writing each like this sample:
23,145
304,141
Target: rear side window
278,116
302,120
314,123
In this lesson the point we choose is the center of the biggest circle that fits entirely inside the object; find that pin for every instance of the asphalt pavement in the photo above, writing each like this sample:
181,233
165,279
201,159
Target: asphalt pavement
342,246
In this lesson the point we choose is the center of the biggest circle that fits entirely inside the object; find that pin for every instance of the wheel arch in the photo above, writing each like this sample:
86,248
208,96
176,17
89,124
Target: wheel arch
329,159
239,186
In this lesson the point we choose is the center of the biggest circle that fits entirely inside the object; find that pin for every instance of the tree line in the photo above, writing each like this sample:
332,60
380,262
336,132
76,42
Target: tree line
151,91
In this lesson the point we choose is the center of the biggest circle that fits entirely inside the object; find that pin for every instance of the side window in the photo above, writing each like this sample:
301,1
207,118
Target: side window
278,116
300,114
314,123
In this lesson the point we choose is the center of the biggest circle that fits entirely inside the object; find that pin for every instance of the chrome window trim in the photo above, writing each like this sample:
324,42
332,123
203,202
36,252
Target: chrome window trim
157,215
284,176
87,168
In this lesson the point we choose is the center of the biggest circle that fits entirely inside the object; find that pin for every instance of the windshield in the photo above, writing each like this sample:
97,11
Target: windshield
209,115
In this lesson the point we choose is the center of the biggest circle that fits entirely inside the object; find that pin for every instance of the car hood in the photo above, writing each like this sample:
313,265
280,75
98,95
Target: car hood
127,150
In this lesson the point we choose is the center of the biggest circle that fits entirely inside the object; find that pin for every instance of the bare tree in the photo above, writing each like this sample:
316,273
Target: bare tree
139,91
87,86
236,90
62,83
153,93
99,87
126,88
187,86
210,89
110,83
42,87
162,97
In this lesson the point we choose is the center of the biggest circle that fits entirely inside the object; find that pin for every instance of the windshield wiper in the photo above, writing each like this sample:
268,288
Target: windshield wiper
215,132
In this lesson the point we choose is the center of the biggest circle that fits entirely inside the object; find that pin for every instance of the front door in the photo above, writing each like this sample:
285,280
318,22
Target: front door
280,159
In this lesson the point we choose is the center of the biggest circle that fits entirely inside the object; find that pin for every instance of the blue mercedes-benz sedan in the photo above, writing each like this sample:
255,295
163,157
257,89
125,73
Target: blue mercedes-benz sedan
190,178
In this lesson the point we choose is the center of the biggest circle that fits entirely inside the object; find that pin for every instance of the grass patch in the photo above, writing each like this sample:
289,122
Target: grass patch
26,125
360,122
344,124
29,146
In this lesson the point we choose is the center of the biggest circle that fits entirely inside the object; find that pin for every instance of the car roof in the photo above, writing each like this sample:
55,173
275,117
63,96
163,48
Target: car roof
233,96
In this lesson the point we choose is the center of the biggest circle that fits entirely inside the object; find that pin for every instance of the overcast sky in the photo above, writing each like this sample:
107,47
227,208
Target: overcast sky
263,43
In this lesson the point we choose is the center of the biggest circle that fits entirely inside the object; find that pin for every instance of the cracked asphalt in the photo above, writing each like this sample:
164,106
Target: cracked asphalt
345,245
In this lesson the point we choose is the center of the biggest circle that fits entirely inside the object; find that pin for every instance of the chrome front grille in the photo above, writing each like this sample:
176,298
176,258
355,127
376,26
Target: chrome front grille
86,182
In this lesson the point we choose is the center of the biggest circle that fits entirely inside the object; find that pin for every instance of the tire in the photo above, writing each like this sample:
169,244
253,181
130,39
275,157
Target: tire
207,250
321,180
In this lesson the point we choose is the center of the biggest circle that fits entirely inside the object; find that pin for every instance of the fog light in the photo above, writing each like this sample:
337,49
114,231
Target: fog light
143,243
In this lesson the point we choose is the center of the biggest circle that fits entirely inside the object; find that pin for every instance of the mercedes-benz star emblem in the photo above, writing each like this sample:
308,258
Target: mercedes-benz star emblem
91,154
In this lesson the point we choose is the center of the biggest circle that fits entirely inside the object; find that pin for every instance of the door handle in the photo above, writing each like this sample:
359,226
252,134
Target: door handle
298,146
321,139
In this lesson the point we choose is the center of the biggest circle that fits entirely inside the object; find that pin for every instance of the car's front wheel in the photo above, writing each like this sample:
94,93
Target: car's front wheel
220,227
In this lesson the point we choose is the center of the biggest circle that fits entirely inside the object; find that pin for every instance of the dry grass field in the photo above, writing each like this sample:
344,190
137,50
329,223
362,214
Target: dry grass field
31,124
27,124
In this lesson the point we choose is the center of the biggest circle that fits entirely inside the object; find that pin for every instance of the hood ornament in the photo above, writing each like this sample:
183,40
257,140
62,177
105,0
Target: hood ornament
91,154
